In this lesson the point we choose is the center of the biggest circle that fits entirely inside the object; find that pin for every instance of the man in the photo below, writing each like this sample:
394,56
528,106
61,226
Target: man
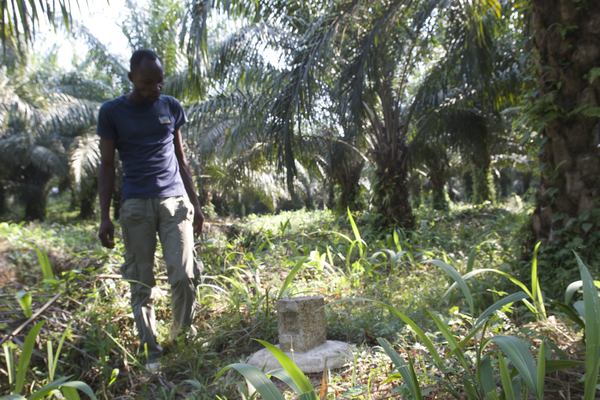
157,196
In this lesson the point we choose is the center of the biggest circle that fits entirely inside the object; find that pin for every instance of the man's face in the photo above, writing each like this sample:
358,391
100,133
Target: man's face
147,79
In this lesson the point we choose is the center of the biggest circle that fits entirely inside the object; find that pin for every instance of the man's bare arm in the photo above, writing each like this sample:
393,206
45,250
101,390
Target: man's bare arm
188,182
106,183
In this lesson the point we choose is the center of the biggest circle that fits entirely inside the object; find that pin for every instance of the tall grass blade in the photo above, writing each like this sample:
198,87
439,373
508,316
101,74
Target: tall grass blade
407,371
536,289
541,370
454,346
256,378
511,298
301,381
44,261
519,355
284,377
506,275
471,259
25,358
54,357
10,362
592,331
453,273
486,379
50,360
420,334
24,299
290,277
355,230
507,387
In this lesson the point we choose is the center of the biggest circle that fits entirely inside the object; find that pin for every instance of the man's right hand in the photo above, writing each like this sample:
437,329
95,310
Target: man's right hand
106,233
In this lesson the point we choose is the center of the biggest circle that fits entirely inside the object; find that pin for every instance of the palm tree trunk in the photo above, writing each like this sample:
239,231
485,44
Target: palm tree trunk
438,193
34,192
346,172
567,39
483,182
87,201
390,189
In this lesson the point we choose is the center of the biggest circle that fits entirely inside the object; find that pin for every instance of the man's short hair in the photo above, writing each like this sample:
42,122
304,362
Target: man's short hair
140,55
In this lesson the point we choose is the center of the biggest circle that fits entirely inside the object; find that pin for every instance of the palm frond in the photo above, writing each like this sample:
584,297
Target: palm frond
84,159
102,57
20,18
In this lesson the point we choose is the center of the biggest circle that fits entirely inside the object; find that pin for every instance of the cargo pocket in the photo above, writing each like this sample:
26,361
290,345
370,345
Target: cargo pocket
133,210
179,208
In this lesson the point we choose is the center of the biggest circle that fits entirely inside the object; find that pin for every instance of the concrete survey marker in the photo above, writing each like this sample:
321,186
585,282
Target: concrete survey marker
303,337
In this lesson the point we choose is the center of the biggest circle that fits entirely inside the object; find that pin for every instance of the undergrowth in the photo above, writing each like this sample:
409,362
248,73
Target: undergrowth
249,264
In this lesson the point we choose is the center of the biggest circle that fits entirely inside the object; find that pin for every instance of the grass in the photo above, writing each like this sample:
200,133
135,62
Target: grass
248,264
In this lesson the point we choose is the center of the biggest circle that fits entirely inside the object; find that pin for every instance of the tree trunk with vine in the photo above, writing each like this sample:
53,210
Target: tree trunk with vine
566,36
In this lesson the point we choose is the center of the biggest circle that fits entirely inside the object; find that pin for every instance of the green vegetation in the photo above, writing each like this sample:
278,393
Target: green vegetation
430,167
383,293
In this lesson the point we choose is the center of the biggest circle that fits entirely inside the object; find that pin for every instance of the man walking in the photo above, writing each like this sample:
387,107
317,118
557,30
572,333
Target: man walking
158,196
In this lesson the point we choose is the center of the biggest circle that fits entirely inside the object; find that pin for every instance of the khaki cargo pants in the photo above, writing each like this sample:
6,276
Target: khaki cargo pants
172,218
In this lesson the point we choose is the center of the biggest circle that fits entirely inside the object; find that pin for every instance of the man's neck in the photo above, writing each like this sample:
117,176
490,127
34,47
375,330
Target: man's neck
135,98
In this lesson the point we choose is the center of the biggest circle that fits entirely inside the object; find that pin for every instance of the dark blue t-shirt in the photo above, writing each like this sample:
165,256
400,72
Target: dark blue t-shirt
143,134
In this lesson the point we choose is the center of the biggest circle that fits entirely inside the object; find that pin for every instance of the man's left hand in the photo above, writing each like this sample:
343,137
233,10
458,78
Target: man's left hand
198,221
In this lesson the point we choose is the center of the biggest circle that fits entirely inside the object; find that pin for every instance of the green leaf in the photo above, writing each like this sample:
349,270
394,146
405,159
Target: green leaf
559,365
508,276
592,112
25,357
407,372
82,387
10,361
44,261
541,370
43,391
536,289
70,393
355,230
420,334
453,273
519,355
24,299
592,330
507,386
511,298
290,277
301,381
283,376
454,346
593,74
257,379
486,378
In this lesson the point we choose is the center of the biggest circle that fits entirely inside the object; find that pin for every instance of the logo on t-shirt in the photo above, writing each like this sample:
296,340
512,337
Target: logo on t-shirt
164,119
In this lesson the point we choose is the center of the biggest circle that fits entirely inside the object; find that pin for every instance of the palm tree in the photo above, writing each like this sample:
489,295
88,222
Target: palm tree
461,100
38,126
566,113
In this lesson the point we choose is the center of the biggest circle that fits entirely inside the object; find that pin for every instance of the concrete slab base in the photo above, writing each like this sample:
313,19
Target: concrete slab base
332,353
